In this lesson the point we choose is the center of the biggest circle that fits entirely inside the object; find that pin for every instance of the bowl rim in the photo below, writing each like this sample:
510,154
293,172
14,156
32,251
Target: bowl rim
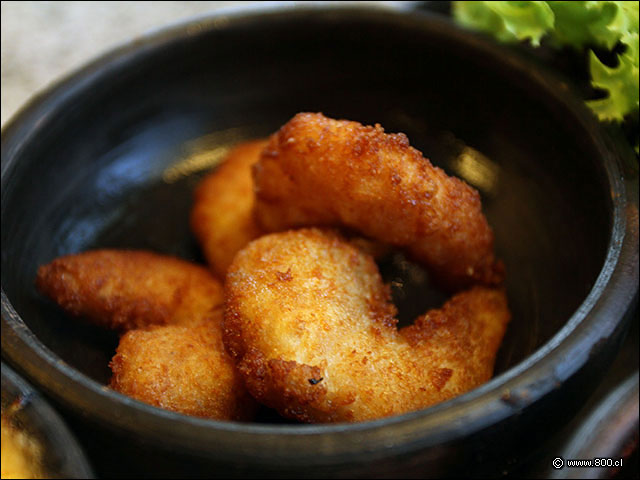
613,295
71,456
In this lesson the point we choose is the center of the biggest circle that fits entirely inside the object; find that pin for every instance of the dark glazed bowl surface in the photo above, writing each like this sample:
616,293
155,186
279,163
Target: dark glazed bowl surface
92,163
610,433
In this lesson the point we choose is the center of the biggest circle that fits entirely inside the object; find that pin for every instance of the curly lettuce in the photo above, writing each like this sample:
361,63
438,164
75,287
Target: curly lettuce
581,25
507,21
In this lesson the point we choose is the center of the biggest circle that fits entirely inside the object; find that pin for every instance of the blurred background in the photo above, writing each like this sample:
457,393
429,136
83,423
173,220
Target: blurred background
44,41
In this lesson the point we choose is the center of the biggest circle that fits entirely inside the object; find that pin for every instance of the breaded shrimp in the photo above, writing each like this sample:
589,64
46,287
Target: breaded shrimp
181,368
125,289
222,215
313,331
317,171
172,354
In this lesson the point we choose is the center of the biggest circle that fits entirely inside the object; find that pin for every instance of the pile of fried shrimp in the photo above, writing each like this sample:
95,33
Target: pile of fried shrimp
291,311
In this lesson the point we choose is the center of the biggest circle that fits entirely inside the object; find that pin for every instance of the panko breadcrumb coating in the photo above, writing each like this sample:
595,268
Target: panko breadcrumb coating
313,331
181,368
222,217
169,310
317,171
125,289
222,214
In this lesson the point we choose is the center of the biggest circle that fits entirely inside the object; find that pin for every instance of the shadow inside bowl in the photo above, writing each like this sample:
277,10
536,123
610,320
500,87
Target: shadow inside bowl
101,171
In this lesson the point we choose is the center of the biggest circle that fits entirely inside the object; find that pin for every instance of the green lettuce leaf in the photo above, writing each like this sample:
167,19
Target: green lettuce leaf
507,21
620,82
579,24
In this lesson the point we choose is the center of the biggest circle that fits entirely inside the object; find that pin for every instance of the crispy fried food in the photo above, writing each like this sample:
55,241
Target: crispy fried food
123,289
222,215
314,334
172,356
222,218
182,368
317,171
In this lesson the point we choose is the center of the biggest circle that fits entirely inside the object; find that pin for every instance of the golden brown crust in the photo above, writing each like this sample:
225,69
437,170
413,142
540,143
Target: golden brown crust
317,171
289,387
171,355
312,328
125,289
181,368
222,215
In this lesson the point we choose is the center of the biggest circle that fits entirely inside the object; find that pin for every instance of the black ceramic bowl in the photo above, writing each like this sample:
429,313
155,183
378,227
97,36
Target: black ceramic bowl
92,163
29,414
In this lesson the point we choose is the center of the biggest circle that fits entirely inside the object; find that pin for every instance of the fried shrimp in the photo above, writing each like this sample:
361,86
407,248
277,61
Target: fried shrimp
222,215
125,289
169,311
316,171
183,369
313,331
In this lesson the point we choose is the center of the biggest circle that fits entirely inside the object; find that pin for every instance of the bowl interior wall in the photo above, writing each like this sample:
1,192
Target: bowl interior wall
93,176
